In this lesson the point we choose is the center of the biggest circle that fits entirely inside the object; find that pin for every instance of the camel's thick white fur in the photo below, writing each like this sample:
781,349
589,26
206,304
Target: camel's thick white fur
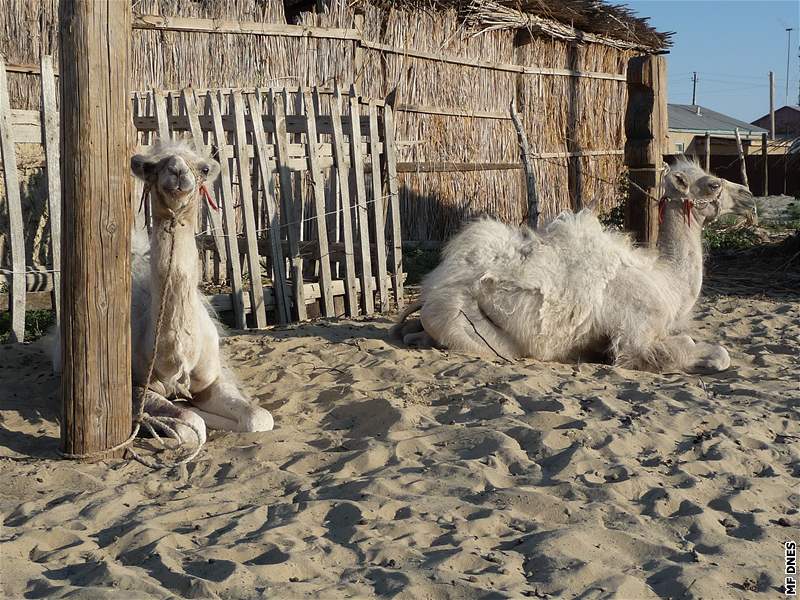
576,291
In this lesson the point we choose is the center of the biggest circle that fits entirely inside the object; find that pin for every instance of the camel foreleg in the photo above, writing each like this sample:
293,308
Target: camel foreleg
223,406
673,353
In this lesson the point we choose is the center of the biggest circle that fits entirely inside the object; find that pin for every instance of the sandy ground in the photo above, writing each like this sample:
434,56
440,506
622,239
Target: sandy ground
420,474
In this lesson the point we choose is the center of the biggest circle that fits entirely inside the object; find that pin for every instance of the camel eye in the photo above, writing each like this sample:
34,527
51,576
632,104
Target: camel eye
714,185
205,170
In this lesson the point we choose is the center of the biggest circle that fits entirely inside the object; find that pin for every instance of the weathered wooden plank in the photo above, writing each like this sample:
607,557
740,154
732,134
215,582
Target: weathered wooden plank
296,106
138,207
267,169
27,69
53,159
26,126
251,237
209,260
390,161
148,137
332,198
161,117
157,22
377,206
451,112
11,179
232,248
361,204
309,249
190,106
289,216
340,156
222,302
178,122
200,92
492,66
318,190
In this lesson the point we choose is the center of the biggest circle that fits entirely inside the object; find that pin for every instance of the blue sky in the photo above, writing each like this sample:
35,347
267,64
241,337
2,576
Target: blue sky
732,44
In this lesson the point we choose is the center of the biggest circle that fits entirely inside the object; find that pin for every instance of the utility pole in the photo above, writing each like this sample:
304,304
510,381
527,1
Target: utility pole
788,54
694,88
771,105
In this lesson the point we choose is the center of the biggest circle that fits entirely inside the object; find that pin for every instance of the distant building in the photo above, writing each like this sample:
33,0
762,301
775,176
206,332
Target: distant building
689,123
787,122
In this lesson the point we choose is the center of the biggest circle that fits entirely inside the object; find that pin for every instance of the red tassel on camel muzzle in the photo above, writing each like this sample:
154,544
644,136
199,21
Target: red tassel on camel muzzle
209,199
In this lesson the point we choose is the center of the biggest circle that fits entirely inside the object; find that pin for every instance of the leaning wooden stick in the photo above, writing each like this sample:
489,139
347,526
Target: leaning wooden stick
530,176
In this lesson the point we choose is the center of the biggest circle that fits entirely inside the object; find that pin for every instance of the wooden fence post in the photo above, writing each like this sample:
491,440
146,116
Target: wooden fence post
645,142
50,136
742,163
16,301
96,184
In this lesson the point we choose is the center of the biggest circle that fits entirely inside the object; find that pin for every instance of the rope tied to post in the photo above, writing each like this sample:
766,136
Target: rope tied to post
141,418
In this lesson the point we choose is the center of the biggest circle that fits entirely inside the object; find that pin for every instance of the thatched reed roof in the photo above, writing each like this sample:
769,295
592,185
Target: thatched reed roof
566,19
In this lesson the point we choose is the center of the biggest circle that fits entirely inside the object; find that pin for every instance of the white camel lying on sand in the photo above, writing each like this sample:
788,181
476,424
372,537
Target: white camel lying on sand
577,292
188,364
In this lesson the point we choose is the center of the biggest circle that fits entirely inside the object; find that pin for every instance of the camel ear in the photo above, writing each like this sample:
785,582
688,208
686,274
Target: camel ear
144,167
679,181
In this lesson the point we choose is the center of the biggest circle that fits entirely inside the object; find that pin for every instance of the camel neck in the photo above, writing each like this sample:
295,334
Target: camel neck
680,249
177,236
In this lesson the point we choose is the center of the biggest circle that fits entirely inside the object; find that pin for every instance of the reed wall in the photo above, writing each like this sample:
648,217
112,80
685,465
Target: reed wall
561,114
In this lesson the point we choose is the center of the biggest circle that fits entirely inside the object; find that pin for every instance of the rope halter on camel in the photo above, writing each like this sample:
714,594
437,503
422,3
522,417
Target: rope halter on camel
688,204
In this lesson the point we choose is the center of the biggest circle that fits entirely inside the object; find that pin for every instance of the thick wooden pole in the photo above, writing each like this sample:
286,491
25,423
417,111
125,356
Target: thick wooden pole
708,152
765,156
96,224
645,143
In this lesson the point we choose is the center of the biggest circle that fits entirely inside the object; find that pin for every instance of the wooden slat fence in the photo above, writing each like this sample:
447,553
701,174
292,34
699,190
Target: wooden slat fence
294,162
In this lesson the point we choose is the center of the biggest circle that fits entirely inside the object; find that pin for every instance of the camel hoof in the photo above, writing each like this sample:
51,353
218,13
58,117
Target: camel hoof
259,420
715,360
418,340
191,435
396,331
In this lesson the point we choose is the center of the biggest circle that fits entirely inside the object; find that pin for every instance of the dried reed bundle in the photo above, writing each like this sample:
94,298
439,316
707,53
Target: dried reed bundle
587,20
483,16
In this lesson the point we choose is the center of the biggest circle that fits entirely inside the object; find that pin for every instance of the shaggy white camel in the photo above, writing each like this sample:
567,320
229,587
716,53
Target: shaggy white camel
188,364
575,291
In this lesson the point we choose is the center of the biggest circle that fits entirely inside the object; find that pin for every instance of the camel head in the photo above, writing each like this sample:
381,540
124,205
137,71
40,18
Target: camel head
175,173
710,196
